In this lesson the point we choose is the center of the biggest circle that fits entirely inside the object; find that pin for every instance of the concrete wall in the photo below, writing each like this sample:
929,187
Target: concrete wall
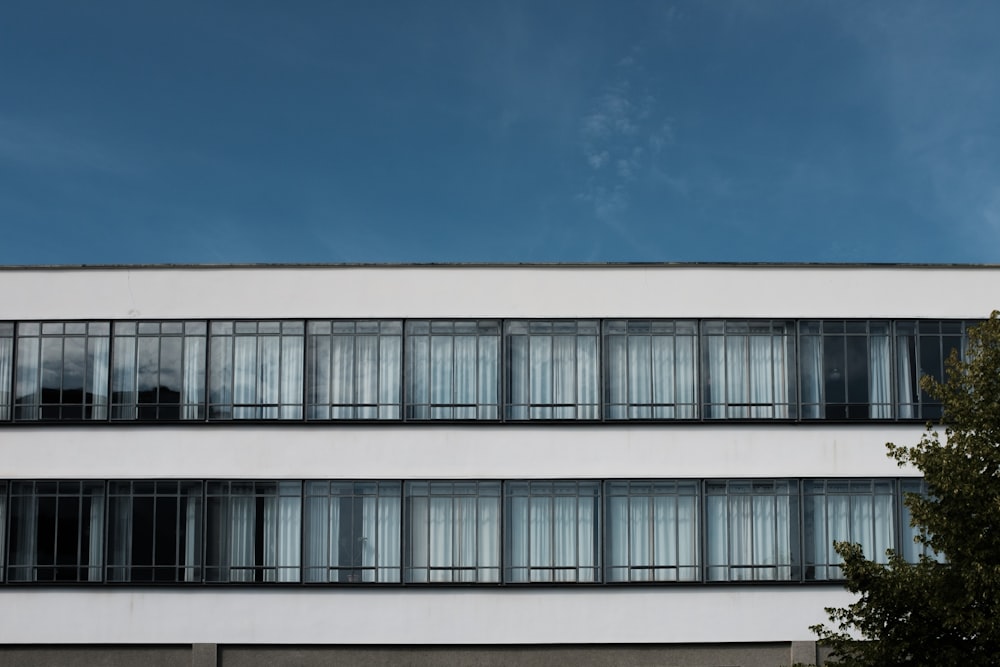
701,614
491,291
450,452
211,655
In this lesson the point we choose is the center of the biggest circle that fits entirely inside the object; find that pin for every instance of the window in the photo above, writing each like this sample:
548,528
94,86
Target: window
752,530
845,369
651,369
452,369
352,532
354,369
551,531
256,370
750,369
6,367
3,528
857,510
56,531
909,548
154,531
922,348
552,369
159,370
62,370
254,531
452,531
652,531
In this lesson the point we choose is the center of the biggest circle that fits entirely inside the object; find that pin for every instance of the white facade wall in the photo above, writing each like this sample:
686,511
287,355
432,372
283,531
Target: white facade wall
686,613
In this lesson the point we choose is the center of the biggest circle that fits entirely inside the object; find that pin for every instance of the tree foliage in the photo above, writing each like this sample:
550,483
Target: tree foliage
939,611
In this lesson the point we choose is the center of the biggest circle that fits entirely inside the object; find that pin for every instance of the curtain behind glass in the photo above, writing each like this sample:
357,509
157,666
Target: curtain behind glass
879,376
552,532
6,369
651,537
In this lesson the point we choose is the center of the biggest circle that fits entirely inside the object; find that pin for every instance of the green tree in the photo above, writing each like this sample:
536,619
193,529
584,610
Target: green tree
938,612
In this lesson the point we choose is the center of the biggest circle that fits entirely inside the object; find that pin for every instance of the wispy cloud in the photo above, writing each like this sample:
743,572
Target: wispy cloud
622,135
35,145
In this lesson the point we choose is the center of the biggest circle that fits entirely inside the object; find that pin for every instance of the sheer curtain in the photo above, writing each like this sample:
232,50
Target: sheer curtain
552,537
354,538
24,533
811,376
99,363
879,377
453,538
95,548
267,375
6,367
282,537
355,369
193,371
865,519
652,538
292,368
750,537
906,377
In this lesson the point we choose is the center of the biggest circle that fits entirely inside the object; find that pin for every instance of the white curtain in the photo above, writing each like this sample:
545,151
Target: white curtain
879,377
453,539
749,376
28,384
387,534
291,377
322,523
244,380
811,376
465,372
97,378
441,376
124,378
6,365
242,526
363,376
418,385
651,377
863,519
652,538
906,380
192,535
372,545
587,390
552,539
749,537
339,376
563,371
193,387
282,533
95,549
389,374
24,513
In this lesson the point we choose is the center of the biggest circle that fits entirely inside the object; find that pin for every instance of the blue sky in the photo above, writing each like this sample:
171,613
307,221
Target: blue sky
536,131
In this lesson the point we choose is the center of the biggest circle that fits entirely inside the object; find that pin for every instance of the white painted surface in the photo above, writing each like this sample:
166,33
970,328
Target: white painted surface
411,616
498,291
422,452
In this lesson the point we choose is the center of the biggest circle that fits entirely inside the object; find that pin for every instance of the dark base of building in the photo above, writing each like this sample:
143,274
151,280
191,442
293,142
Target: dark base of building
778,654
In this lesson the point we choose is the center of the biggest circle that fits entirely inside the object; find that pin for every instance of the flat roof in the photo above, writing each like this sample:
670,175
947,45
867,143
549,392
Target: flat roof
498,265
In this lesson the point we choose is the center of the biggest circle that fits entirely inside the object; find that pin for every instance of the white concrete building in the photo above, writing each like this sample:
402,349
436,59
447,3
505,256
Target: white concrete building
529,464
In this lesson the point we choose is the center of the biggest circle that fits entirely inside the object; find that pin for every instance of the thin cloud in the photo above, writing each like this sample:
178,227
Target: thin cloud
621,135
28,144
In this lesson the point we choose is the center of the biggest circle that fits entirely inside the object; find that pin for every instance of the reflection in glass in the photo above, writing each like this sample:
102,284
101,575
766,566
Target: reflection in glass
62,371
159,371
